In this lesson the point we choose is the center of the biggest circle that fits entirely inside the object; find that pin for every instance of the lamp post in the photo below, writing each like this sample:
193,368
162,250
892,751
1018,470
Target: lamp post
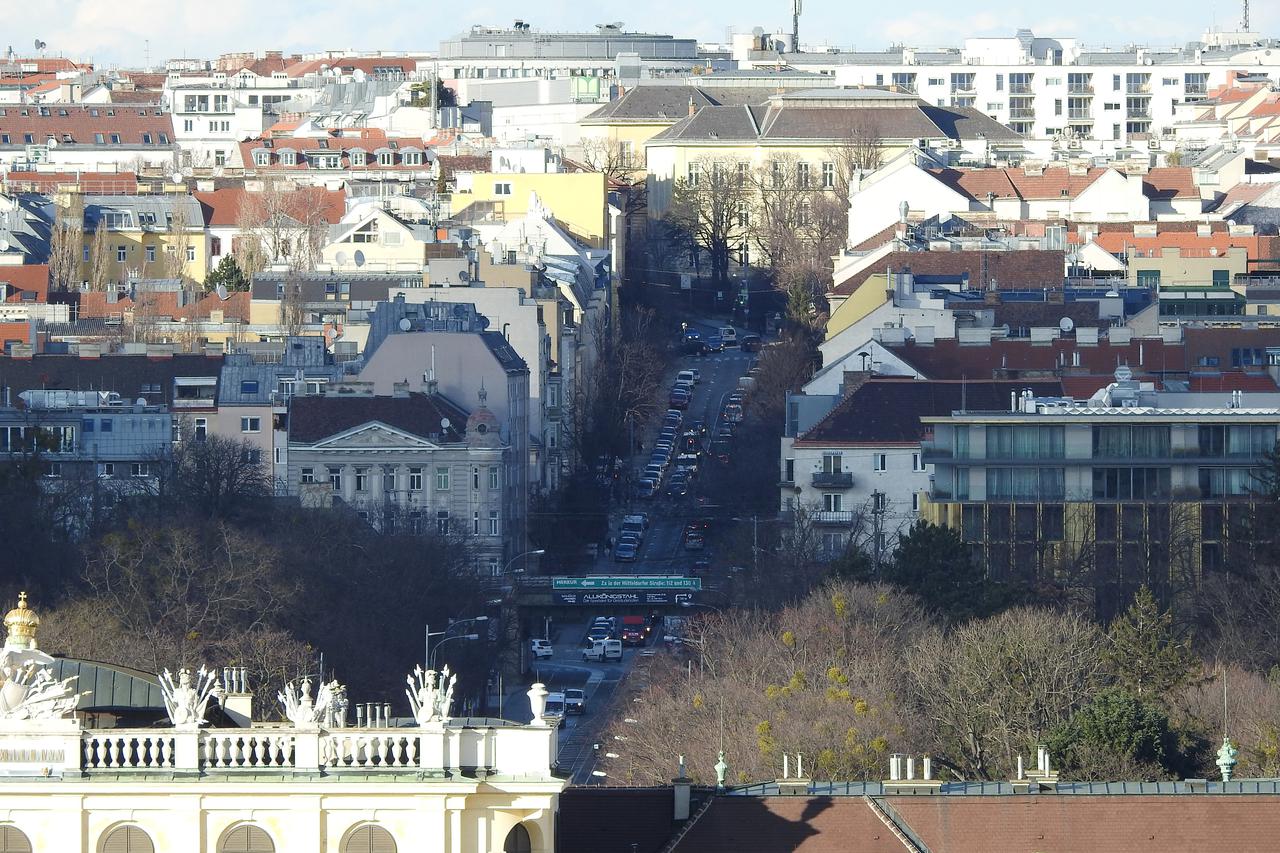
436,650
536,552
428,634
705,606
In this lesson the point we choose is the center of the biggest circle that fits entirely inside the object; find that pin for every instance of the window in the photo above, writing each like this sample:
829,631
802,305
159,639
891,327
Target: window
915,501
502,188
1025,484
127,839
108,469
107,425
86,425
828,175
122,254
100,138
139,469
1130,483
878,502
442,522
251,456
802,175
191,253
789,471
151,254
387,158
1227,482
1148,278
495,525
288,157
53,470
1024,442
369,839
442,479
248,386
879,462
251,424
362,479
308,475
415,479
115,139
917,464
246,839
1146,442
202,429
335,478
475,478
262,158
495,477
832,463
831,502
146,139
1222,278
695,170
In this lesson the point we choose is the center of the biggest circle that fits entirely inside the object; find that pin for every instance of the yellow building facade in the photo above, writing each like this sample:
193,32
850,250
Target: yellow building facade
578,200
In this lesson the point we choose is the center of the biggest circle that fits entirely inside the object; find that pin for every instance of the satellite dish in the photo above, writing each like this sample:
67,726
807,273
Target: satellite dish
341,258
1123,373
1066,324
359,258
51,142
404,324
177,177
463,275
445,424
4,245
221,290
141,401
1113,292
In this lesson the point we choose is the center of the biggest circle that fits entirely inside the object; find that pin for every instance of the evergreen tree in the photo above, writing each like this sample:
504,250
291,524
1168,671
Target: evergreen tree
1144,652
934,563
228,274
1115,730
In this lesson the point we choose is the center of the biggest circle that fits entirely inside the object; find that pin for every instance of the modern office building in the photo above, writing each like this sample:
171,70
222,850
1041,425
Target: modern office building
1139,486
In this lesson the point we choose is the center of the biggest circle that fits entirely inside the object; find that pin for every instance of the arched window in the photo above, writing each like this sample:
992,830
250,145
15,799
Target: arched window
127,839
12,840
369,839
518,840
246,838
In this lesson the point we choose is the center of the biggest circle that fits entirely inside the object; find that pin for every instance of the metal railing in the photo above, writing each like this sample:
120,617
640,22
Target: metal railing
833,479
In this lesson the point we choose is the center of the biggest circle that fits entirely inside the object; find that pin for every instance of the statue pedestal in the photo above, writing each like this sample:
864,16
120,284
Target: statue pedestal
41,747
433,752
186,749
306,749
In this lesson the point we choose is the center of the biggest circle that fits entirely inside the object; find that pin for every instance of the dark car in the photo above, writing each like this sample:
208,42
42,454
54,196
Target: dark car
715,343
750,343
695,428
679,399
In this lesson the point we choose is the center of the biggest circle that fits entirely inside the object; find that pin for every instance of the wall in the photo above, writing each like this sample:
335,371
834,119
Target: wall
578,200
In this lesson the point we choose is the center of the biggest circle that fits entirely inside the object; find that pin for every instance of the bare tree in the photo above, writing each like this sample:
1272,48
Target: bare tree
174,265
861,150
281,224
710,212
100,258
66,246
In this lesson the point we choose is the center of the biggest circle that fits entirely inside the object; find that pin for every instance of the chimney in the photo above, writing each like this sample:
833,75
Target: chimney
237,698
692,108
682,787
903,778
400,389
790,785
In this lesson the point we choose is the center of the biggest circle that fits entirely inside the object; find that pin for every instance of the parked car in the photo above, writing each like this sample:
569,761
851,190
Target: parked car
695,428
575,700
690,376
750,343
632,526
540,649
679,399
646,488
625,552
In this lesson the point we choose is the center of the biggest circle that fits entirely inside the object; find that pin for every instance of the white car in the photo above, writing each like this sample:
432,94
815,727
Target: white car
540,649
690,376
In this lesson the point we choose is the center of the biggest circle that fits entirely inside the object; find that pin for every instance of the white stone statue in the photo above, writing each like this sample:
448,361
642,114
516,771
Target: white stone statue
301,710
186,702
430,694
28,690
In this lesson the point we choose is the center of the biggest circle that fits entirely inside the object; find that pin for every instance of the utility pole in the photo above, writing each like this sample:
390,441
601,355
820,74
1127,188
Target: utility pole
755,541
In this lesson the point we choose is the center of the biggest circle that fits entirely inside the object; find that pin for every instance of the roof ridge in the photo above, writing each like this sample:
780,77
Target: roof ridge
900,831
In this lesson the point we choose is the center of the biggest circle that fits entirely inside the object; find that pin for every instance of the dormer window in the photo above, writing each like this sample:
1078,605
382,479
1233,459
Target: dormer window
356,156
261,157
386,157
146,139
411,157
288,158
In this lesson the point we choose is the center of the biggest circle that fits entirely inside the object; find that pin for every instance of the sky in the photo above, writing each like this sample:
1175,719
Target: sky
133,32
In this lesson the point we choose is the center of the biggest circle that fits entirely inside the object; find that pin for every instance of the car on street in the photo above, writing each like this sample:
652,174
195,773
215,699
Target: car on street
679,399
678,487
750,343
694,541
714,344
733,413
625,552
696,428
737,397
540,649
725,431
553,711
599,632
575,700
690,376
646,488
633,526
634,630
729,335
603,650
701,566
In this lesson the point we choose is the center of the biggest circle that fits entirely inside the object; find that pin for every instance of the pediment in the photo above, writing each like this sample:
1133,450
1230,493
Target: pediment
375,435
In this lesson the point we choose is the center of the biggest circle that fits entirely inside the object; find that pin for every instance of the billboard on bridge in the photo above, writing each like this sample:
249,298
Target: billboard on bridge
613,598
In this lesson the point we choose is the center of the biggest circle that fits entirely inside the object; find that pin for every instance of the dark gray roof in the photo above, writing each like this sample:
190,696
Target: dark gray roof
504,353
312,419
780,121
125,374
656,104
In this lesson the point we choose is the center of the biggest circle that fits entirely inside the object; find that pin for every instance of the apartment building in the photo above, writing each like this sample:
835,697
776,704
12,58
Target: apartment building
522,51
1049,87
412,461
147,236
210,119
1135,485
91,137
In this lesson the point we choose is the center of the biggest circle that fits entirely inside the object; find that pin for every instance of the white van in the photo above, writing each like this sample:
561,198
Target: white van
554,712
729,335
602,650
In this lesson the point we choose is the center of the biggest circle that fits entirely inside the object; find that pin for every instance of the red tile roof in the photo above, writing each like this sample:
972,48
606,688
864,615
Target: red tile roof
222,207
29,278
94,305
1057,182
131,123
1019,269
793,824
946,358
1168,182
350,64
369,140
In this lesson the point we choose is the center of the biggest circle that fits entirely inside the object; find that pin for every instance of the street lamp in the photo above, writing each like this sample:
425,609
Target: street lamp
537,552
428,634
436,650
705,606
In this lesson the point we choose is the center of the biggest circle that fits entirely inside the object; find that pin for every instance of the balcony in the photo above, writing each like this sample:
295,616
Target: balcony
837,518
1138,90
1079,115
1138,114
1085,89
1022,114
833,479
1020,89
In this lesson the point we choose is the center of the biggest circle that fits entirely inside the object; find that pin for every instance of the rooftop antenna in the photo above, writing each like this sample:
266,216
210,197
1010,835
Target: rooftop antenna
1244,17
795,23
